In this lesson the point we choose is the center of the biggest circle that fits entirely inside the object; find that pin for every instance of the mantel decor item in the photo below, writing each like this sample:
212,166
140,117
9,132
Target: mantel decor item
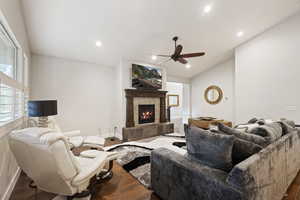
42,109
213,94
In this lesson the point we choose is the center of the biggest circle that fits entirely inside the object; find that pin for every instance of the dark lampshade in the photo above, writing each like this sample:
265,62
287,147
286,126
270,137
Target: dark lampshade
42,108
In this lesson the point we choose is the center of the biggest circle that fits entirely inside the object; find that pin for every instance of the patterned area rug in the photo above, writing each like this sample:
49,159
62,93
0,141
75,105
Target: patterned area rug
135,159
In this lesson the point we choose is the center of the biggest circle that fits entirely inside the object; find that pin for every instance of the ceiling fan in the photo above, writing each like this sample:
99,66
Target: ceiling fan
177,56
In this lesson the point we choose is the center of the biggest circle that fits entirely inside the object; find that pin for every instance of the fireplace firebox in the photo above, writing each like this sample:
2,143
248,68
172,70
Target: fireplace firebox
146,114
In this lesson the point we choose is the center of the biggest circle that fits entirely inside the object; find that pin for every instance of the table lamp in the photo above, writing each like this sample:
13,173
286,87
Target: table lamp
42,109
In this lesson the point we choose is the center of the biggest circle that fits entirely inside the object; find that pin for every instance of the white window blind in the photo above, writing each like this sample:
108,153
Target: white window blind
6,104
8,54
12,90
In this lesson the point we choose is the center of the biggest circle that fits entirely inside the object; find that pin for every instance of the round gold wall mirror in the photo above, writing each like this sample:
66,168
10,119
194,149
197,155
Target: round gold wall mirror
213,94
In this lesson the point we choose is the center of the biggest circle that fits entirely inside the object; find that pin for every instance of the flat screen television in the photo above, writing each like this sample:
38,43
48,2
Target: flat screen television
146,77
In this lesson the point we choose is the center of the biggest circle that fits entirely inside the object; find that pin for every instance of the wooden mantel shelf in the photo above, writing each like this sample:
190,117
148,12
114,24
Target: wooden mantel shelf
145,93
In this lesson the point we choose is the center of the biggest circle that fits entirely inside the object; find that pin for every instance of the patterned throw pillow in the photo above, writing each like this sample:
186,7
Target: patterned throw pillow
211,149
271,131
286,127
256,139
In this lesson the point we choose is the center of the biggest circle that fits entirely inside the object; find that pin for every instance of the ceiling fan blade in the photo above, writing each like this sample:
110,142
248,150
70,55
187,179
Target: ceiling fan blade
163,62
182,60
190,55
164,56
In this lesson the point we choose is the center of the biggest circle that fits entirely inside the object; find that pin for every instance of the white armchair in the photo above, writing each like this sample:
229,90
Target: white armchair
46,158
77,139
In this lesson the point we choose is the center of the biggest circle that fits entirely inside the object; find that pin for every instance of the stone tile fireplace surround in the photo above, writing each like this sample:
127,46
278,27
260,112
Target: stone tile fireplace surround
135,97
137,130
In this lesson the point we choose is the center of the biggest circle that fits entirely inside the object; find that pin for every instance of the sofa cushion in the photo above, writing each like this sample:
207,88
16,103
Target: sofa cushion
253,120
289,122
243,135
242,149
270,132
211,149
246,127
286,127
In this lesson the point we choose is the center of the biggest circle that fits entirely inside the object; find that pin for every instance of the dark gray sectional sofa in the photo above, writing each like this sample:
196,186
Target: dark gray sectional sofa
265,175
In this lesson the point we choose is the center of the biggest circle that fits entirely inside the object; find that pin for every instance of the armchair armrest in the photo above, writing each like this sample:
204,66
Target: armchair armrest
90,168
72,133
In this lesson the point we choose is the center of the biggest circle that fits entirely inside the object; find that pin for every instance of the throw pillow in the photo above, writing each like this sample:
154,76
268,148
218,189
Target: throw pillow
243,135
286,127
270,132
253,120
289,122
242,149
209,148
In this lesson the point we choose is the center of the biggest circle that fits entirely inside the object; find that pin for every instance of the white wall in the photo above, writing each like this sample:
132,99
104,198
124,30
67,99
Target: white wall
183,90
221,75
178,79
85,92
267,74
12,11
177,89
11,16
123,81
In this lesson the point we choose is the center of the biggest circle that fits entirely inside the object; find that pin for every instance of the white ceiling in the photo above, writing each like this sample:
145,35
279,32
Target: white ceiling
136,29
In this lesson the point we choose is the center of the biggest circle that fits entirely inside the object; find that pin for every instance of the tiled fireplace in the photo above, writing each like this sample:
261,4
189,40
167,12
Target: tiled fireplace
135,99
145,114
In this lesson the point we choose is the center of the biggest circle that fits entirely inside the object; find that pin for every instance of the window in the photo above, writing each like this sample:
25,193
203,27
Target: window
6,103
12,77
8,54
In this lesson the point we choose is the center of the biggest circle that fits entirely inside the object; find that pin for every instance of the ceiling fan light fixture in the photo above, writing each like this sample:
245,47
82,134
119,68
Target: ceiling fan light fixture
240,34
188,66
154,57
98,43
207,8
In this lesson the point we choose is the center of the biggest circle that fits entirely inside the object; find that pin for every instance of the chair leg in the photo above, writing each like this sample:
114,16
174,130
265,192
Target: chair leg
106,175
33,186
81,195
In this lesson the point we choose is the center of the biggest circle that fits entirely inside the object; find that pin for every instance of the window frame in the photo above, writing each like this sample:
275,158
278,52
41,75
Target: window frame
15,46
17,82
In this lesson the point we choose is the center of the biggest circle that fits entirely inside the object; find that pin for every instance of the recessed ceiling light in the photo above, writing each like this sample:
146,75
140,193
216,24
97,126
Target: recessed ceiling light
188,66
98,43
240,33
207,9
154,57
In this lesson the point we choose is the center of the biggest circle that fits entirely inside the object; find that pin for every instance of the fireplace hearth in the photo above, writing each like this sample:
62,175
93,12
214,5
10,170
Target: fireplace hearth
146,114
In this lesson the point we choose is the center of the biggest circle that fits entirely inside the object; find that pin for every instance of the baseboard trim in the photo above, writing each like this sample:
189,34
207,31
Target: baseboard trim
12,184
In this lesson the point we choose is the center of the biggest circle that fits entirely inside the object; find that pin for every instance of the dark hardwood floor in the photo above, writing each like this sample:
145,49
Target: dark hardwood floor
293,193
122,186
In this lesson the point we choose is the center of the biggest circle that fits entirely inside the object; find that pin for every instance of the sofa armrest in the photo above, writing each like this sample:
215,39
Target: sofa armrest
268,173
177,177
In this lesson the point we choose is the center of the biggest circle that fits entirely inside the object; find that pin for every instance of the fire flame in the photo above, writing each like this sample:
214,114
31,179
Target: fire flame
146,115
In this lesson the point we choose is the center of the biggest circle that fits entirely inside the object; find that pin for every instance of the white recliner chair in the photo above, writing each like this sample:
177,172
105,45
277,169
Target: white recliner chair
75,137
46,158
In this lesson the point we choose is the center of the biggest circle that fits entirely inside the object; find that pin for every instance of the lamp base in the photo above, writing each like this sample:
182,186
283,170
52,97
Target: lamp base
43,122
